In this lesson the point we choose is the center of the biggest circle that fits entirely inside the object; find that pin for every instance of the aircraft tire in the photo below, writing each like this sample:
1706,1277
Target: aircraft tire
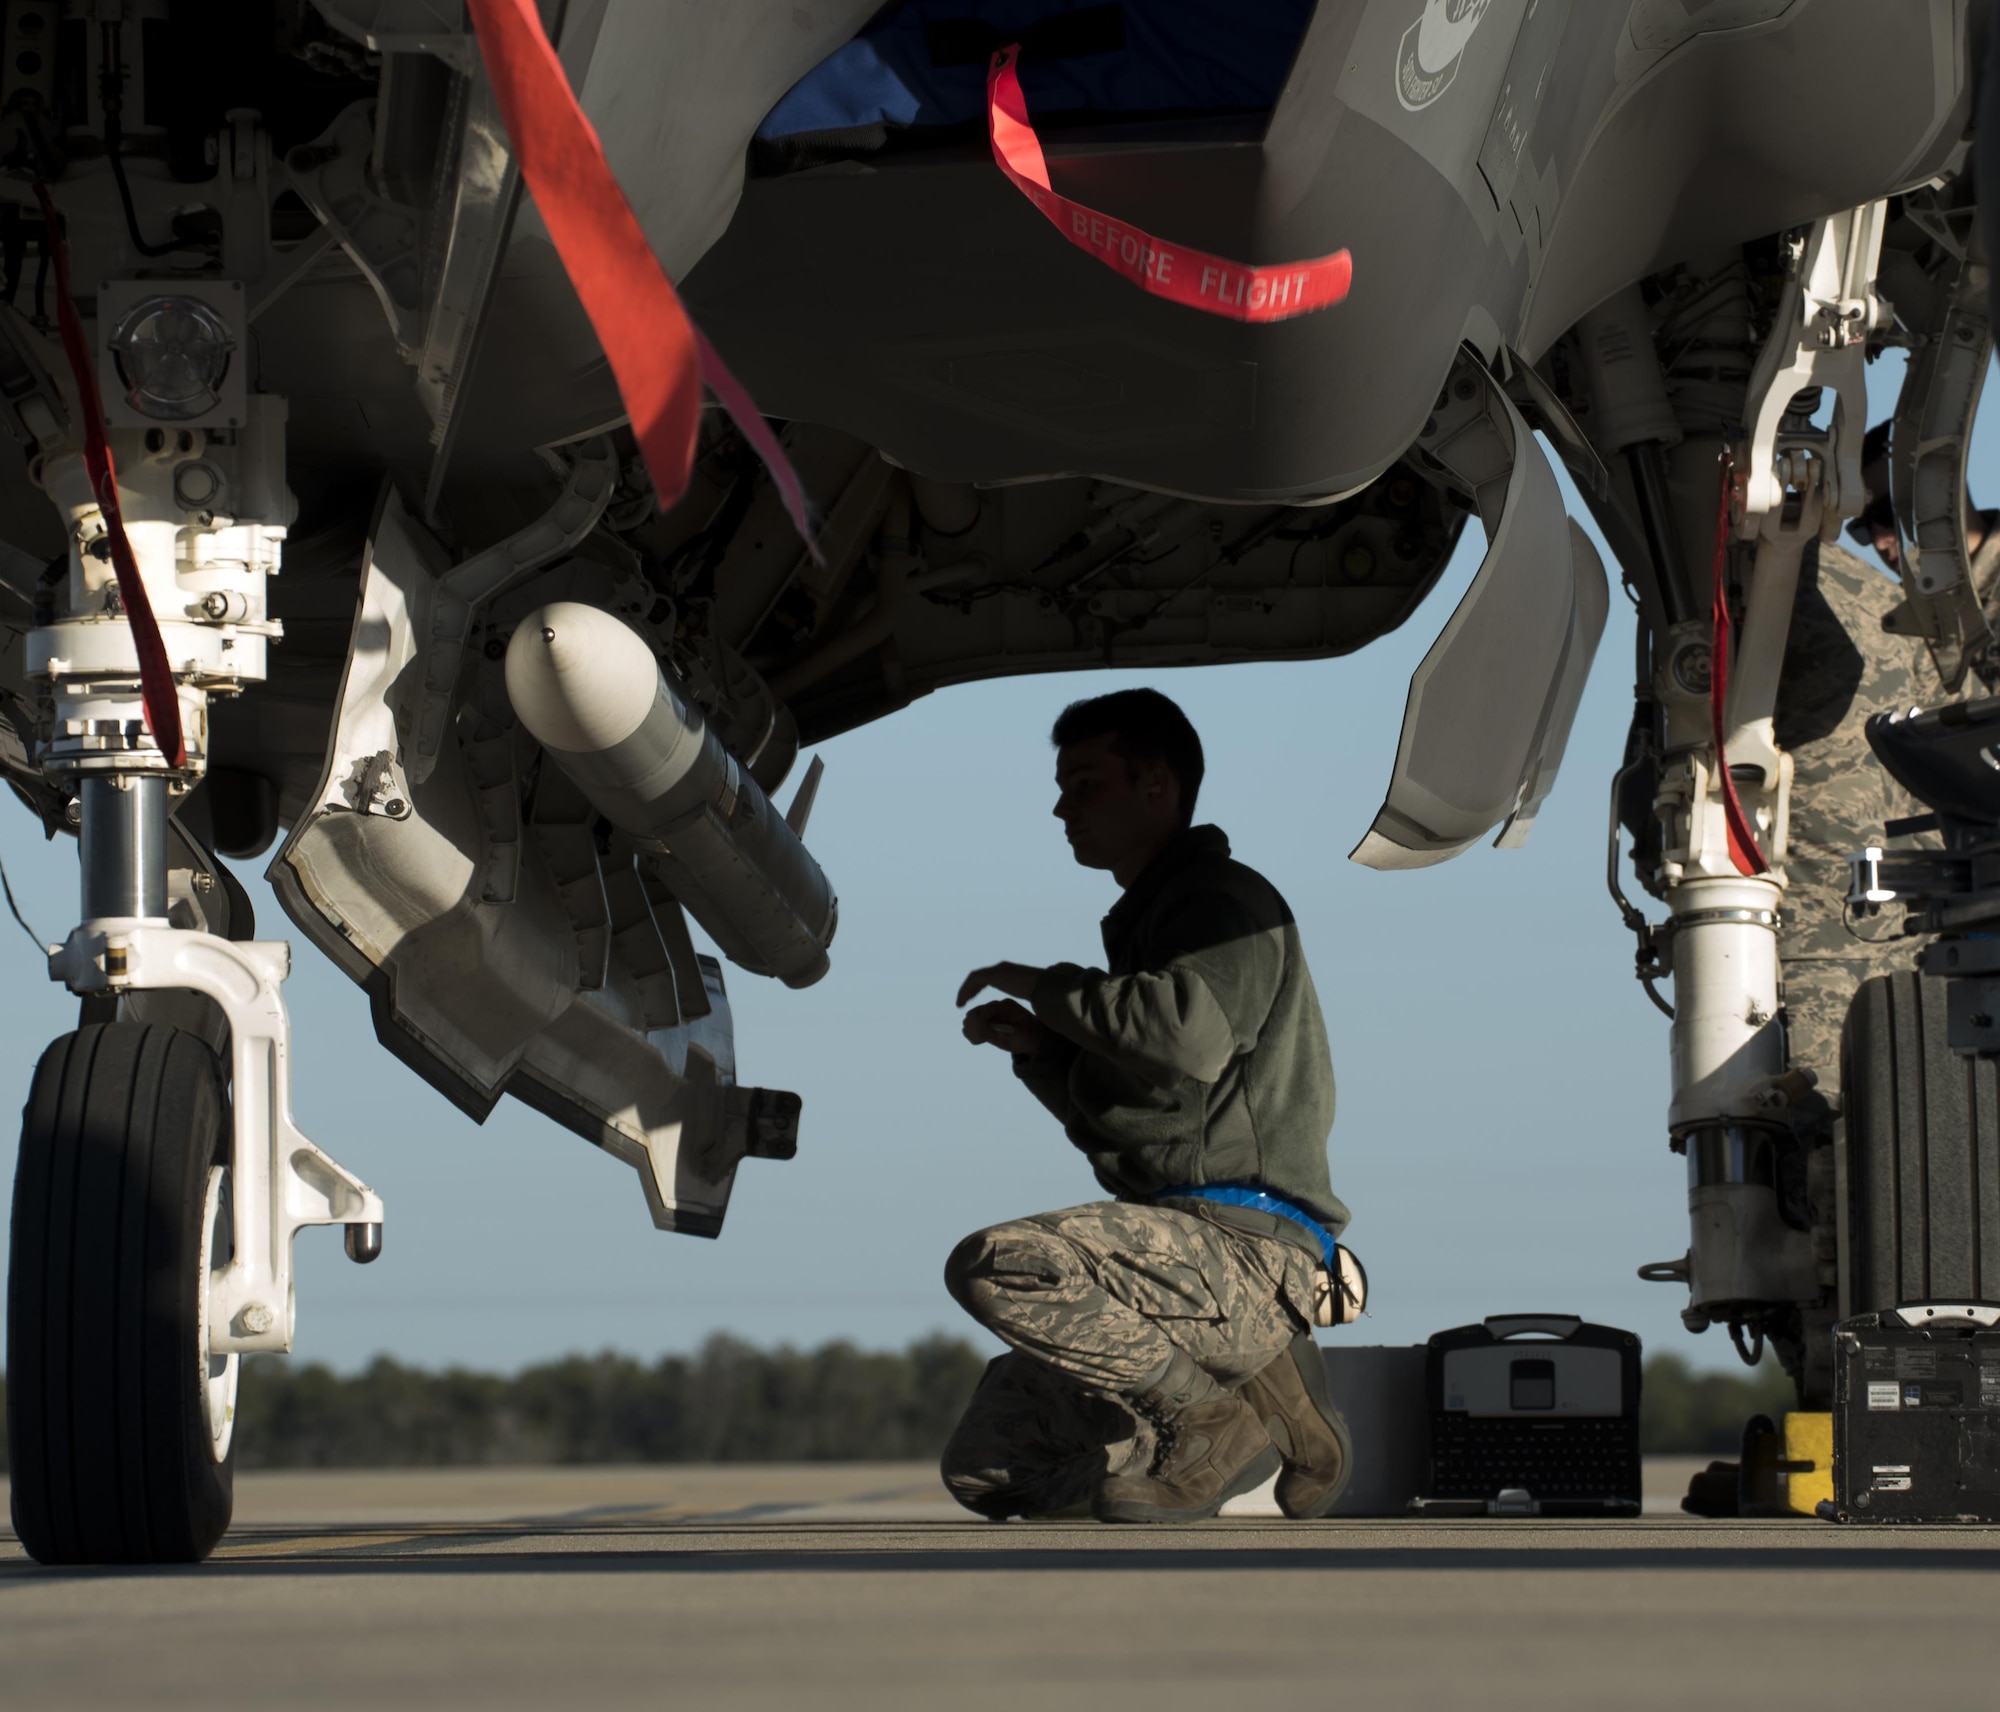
1923,1152
120,1424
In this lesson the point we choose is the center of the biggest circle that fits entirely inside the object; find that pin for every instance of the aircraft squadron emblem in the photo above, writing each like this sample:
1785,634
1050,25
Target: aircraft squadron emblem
1428,56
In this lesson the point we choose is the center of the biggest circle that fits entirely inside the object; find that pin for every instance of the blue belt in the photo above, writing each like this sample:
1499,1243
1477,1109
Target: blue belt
1263,1201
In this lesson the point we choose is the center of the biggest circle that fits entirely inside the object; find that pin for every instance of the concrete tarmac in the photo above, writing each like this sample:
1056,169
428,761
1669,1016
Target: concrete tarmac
862,1586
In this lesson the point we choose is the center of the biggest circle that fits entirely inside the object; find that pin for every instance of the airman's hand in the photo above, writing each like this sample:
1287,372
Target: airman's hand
1016,980
1004,1024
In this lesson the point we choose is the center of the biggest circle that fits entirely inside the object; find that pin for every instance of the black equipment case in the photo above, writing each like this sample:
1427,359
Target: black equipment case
1533,1415
1916,1414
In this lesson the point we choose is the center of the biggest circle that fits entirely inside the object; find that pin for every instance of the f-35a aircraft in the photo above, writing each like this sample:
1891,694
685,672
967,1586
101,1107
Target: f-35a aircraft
322,460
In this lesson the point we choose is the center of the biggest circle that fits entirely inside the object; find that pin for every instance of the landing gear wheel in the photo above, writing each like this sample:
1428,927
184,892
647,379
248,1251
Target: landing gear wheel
119,1421
1923,1153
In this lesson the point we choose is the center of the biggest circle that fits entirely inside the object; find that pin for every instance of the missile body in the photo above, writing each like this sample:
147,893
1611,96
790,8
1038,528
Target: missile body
589,690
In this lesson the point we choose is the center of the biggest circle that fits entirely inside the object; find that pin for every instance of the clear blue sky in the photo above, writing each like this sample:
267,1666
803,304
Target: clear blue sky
1503,1082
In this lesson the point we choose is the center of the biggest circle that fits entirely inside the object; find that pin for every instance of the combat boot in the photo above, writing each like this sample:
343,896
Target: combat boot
1291,1398
1212,1448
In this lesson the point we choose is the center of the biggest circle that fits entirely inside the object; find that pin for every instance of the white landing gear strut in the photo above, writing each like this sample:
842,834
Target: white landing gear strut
205,512
1794,482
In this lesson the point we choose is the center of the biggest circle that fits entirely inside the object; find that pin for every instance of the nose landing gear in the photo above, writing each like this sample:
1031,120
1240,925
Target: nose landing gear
161,1179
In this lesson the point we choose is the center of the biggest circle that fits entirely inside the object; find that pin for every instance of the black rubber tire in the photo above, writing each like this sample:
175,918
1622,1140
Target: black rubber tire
107,1414
1923,1152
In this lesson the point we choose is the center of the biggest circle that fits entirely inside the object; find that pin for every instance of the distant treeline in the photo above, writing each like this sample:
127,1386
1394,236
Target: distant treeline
1682,1413
729,1403
734,1403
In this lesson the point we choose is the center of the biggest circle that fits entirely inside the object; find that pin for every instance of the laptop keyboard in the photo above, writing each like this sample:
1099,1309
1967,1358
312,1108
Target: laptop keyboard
1475,1456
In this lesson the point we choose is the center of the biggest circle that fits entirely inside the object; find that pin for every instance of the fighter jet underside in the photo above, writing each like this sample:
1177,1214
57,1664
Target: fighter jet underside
333,338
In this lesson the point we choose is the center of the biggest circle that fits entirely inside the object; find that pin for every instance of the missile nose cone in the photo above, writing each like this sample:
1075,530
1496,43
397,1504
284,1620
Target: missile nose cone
579,679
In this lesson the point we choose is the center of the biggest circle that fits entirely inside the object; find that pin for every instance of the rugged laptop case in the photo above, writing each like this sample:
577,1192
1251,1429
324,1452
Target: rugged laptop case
1916,1414
1533,1414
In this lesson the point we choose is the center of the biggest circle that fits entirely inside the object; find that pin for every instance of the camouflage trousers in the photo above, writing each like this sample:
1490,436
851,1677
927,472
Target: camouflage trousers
1841,666
1094,1301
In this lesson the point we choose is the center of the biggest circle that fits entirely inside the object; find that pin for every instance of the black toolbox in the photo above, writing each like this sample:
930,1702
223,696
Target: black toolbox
1533,1415
1916,1414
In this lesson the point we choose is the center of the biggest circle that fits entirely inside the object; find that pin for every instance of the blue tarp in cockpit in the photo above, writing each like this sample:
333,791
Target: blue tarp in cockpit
923,63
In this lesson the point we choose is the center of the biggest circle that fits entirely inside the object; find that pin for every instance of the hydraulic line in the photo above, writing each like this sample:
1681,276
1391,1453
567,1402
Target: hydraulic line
111,95
1634,919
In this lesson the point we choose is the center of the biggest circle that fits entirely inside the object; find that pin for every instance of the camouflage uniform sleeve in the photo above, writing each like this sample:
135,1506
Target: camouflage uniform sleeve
1187,1018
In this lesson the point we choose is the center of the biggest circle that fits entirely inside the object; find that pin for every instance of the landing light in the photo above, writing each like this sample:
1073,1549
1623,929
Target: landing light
172,355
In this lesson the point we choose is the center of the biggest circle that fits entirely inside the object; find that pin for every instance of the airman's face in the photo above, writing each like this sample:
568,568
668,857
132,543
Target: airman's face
1112,810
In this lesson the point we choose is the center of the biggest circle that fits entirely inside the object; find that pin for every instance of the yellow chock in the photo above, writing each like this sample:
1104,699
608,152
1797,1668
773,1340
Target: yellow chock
1787,1469
1805,1469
